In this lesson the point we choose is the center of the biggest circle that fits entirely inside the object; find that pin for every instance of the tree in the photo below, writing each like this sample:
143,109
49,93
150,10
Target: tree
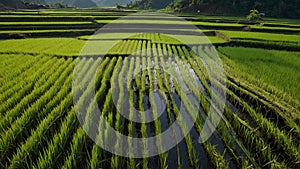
254,16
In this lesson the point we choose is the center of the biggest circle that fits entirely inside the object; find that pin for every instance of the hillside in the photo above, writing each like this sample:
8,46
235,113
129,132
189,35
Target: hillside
111,2
11,4
76,3
19,3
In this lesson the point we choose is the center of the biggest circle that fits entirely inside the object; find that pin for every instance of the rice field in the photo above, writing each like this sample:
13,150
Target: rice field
41,127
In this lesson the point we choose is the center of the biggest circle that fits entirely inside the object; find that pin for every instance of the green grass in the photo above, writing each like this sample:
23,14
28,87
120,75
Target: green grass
128,20
261,36
277,68
44,31
52,46
274,28
218,24
43,23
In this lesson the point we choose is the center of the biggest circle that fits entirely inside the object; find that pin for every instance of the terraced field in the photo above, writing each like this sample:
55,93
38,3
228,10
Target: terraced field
41,127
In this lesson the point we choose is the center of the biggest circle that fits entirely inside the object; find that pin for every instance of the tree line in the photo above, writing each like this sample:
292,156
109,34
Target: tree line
272,8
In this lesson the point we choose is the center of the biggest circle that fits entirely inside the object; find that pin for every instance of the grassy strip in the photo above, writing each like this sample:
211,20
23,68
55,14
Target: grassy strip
42,31
43,23
265,45
256,27
55,46
261,36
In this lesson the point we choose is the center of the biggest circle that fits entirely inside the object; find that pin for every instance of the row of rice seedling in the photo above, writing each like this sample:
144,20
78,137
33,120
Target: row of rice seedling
229,92
273,128
80,141
91,114
49,157
27,63
260,151
83,78
142,115
212,153
39,136
7,63
8,92
215,155
97,154
199,73
20,128
99,157
191,150
162,157
27,153
42,85
86,112
193,156
161,80
131,131
274,114
170,109
118,82
281,143
231,143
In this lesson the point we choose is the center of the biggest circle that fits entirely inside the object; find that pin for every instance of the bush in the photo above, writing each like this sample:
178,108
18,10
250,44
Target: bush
254,16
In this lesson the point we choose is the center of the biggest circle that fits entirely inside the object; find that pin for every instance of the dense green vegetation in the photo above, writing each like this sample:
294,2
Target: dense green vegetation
38,118
279,68
272,8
